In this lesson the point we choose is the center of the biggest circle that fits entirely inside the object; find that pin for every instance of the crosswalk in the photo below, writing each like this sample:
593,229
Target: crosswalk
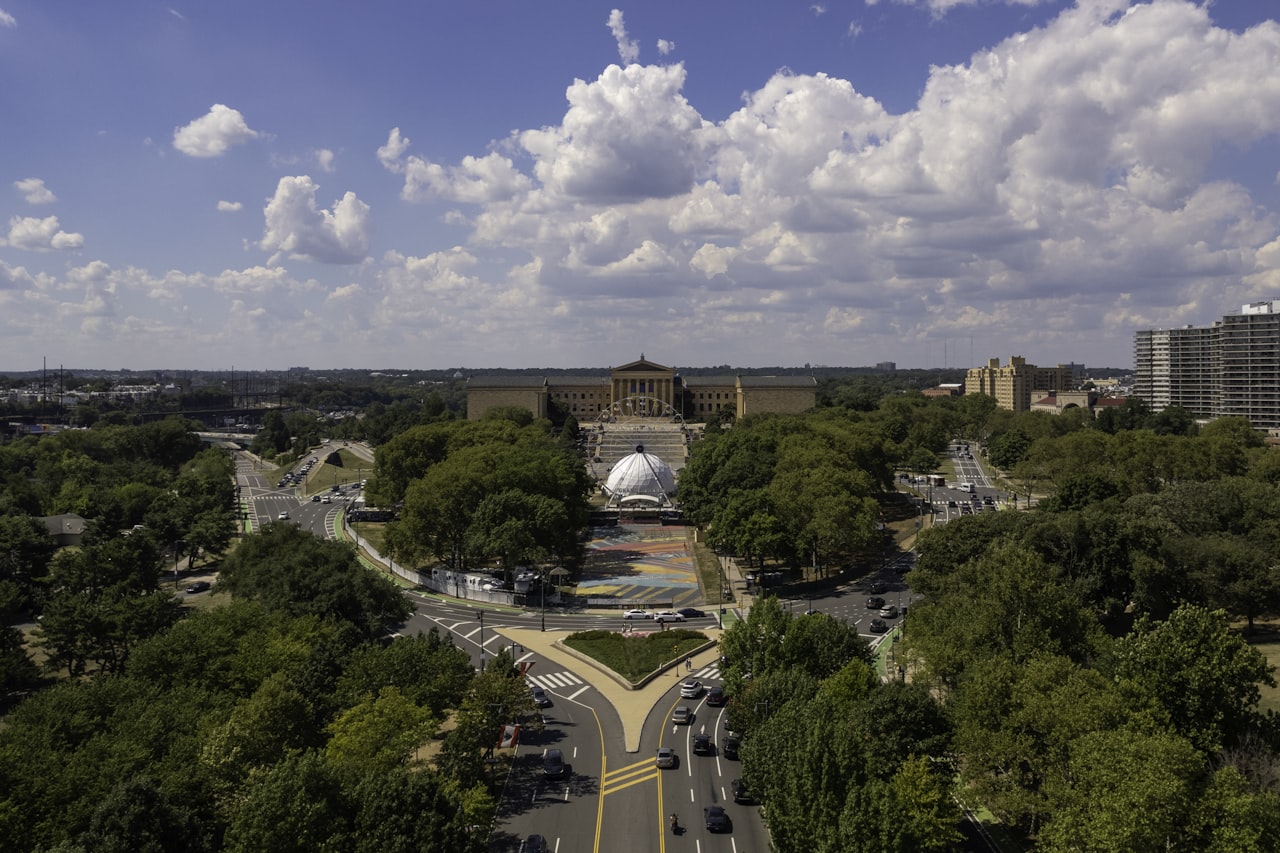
555,680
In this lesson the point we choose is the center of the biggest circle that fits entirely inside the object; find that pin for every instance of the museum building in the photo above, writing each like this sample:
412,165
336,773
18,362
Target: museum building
641,388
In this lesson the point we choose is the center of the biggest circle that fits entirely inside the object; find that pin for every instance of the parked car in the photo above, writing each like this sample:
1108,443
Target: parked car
553,766
889,612
702,745
666,758
716,819
682,716
199,586
741,794
637,614
667,616
729,746
878,626
715,696
875,602
691,689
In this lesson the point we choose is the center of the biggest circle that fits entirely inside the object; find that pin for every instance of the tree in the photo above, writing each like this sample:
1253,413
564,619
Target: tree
427,668
1205,676
378,734
295,572
1126,792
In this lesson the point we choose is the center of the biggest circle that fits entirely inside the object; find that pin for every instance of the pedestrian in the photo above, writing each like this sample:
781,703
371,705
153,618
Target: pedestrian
688,664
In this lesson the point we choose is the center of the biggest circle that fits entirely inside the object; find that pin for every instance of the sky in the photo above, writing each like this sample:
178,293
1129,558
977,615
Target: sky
208,186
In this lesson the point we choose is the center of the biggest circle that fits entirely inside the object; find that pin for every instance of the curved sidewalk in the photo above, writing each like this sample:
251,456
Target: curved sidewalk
633,706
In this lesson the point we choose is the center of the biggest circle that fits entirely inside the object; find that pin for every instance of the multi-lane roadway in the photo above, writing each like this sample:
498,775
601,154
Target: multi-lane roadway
612,797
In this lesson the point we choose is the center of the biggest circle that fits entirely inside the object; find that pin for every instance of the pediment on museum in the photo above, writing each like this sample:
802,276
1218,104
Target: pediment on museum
642,365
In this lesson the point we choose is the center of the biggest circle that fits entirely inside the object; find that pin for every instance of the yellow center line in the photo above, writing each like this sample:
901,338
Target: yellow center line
600,797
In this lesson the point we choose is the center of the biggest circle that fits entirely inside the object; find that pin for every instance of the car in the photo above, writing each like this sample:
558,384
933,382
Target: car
988,500
702,745
877,587
716,697
682,715
666,758
199,586
637,614
875,602
326,500
965,510
691,689
716,819
540,697
691,612
553,766
315,499
729,746
889,611
878,626
667,616
951,503
534,844
335,488
741,793
284,516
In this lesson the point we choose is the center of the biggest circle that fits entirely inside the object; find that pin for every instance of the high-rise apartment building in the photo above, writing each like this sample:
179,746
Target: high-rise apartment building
1228,369
1014,385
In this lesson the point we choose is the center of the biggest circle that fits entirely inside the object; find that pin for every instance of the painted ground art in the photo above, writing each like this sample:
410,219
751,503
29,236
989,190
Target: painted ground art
640,563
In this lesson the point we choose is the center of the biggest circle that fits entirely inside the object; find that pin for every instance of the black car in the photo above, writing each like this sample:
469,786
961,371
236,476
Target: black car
691,612
877,587
553,766
534,844
716,819
741,794
875,602
716,697
199,586
702,745
729,746
878,626
540,697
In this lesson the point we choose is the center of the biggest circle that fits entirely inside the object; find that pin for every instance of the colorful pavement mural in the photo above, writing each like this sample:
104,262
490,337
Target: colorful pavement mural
640,562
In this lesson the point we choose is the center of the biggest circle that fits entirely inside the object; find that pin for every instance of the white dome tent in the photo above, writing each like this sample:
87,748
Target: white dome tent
640,479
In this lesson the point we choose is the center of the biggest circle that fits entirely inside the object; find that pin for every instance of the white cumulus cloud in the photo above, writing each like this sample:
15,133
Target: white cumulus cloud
213,133
324,159
7,20
390,154
295,227
40,235
229,206
34,191
628,49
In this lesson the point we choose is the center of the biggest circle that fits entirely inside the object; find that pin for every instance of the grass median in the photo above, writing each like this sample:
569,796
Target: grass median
633,656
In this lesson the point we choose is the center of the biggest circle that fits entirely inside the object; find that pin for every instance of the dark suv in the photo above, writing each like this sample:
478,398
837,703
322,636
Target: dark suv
715,696
534,844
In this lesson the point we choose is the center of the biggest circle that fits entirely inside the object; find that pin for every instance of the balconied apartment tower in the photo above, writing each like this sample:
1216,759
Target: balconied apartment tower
1228,369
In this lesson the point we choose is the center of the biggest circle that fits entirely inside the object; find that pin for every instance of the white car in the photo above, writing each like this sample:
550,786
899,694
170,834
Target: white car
667,616
691,689
284,516
636,614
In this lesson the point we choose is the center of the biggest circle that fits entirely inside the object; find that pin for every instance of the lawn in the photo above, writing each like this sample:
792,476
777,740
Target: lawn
1270,700
635,656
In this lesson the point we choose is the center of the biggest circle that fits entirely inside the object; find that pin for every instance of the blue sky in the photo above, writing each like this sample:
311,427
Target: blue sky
428,185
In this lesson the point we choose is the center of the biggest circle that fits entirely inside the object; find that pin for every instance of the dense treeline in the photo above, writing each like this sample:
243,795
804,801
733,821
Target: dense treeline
150,495
1071,667
474,493
277,721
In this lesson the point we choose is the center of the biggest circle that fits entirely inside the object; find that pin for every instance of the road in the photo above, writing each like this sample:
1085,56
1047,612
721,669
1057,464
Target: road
613,798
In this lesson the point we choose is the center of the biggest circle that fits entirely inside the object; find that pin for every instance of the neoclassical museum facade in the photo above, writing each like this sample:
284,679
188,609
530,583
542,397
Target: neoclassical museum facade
641,388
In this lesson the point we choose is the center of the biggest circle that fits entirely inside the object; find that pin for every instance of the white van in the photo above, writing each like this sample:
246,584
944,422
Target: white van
968,487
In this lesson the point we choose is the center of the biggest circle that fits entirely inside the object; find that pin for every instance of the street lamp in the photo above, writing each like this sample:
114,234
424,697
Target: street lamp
481,640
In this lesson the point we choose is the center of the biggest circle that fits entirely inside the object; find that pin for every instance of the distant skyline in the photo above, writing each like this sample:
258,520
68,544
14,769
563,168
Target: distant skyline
393,185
